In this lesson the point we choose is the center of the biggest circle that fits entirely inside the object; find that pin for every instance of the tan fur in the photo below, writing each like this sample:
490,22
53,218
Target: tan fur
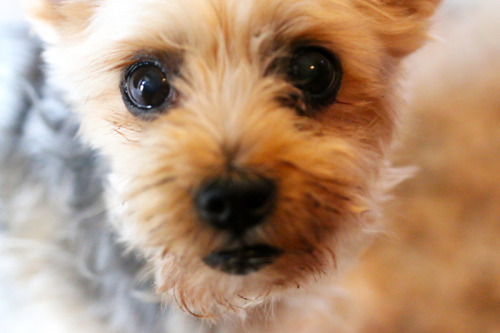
331,168
440,270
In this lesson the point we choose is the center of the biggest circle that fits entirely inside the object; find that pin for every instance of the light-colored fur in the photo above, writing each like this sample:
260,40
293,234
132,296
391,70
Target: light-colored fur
332,168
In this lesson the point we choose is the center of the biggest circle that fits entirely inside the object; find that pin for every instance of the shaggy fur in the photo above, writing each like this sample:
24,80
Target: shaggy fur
330,167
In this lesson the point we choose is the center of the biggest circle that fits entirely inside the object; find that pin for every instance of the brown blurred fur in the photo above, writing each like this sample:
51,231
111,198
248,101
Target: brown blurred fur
439,268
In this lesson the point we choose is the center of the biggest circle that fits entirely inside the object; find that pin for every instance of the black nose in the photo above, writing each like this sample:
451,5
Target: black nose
236,203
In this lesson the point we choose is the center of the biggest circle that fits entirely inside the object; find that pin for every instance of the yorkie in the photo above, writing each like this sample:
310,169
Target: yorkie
233,158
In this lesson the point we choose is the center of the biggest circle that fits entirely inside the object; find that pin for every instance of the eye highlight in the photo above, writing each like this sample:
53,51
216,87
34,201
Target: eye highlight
145,88
317,73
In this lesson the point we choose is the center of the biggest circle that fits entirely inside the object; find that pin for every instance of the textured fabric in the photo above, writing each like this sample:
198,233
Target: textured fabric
40,147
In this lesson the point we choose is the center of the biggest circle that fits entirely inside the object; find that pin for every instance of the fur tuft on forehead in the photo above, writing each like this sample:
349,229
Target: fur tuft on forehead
400,24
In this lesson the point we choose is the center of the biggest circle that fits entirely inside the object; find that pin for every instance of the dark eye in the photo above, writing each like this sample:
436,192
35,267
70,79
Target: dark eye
145,88
317,73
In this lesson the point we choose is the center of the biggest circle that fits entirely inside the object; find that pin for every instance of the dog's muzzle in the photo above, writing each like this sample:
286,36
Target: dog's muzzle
242,260
234,204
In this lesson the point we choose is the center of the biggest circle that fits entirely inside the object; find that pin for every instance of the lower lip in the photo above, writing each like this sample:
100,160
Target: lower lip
244,260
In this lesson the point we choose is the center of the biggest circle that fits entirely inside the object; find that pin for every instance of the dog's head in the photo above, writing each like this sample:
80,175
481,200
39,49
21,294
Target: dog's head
247,138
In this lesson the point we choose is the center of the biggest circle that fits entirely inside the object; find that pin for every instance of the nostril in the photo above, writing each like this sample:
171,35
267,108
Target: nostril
214,205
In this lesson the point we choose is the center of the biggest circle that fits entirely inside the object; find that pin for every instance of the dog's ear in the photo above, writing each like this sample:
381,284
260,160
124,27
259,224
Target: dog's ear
401,24
58,19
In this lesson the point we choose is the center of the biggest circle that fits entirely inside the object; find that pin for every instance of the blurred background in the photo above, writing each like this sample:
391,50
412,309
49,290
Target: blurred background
10,10
437,268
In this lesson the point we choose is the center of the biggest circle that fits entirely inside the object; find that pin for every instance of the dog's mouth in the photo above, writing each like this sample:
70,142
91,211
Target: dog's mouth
242,260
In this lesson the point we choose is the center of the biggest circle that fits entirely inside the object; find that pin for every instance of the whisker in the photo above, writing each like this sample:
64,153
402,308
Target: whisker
119,132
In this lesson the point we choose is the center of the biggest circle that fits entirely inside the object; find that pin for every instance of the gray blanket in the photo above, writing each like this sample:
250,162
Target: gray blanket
39,144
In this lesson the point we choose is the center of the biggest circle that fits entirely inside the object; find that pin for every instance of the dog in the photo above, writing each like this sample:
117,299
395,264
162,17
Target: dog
233,160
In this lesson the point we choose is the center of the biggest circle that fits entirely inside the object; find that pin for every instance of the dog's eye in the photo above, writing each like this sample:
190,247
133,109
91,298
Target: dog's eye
317,73
145,88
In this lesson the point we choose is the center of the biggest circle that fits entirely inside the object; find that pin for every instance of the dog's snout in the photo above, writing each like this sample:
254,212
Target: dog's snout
236,203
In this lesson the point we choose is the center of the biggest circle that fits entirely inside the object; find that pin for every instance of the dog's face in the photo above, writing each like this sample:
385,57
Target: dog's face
246,138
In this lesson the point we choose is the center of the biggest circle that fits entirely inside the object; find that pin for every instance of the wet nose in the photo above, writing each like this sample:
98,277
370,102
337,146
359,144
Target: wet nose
236,204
